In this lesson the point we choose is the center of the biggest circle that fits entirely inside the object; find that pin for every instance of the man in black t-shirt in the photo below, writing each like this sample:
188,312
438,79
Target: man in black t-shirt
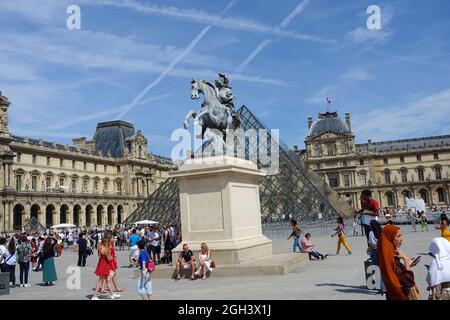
82,250
186,260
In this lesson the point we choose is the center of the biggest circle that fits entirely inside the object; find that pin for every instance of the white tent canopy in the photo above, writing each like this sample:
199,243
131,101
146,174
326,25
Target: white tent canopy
62,225
146,222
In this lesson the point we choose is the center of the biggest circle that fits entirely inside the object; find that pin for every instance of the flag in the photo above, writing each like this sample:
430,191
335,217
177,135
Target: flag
328,100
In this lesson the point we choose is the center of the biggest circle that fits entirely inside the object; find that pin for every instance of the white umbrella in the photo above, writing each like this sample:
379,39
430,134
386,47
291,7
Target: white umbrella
63,225
146,222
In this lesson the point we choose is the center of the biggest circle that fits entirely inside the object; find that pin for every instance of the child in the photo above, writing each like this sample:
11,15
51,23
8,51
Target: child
423,221
355,226
147,266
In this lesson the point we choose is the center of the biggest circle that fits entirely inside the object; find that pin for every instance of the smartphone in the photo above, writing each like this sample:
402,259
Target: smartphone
415,261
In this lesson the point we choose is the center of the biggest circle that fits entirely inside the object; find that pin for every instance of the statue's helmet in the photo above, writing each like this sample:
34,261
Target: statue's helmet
222,81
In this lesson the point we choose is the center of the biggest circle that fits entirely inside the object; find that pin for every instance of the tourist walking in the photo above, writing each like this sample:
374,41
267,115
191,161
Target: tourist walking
167,245
146,266
10,261
104,268
24,253
204,259
82,248
34,255
341,236
296,231
134,250
412,219
445,233
370,211
48,261
423,221
309,247
355,225
395,267
438,276
113,264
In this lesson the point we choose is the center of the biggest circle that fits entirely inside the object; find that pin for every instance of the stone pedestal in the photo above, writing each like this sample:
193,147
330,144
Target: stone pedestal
219,204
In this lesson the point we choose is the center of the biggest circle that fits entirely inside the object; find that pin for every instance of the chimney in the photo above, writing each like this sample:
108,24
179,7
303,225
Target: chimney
295,147
347,119
310,121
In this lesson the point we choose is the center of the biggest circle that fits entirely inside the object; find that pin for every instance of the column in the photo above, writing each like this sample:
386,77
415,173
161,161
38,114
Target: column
41,217
8,217
397,199
2,217
448,195
82,218
380,198
69,216
9,174
105,215
26,215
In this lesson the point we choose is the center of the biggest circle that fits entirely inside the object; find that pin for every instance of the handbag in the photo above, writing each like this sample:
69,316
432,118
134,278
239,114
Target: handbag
213,264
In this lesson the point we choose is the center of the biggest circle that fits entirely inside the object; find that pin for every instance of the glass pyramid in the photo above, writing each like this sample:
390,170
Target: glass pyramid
286,193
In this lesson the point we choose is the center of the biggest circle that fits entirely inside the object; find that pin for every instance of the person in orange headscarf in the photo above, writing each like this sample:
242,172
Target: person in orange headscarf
395,267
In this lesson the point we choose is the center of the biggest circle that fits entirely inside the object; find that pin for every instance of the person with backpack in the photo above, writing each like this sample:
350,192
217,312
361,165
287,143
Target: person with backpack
24,252
147,266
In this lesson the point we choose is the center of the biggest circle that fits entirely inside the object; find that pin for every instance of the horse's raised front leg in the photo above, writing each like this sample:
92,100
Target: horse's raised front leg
191,114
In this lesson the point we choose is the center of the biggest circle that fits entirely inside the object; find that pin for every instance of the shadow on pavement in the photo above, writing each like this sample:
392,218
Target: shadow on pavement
348,289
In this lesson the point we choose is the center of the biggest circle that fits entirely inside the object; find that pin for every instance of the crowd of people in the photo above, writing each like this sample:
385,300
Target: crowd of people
383,247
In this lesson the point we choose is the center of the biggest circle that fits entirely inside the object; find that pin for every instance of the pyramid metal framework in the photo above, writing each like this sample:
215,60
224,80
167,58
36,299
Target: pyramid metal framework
34,225
288,194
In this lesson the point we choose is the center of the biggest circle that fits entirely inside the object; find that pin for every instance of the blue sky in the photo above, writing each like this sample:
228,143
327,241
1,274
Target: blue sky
284,58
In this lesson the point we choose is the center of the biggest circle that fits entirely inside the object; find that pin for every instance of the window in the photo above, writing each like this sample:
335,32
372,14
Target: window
441,195
345,148
390,199
344,163
436,156
419,157
84,165
317,166
74,184
18,182
48,183
118,169
73,164
402,159
48,161
363,179
132,187
85,185
61,181
61,163
105,168
34,159
421,175
347,180
330,149
19,157
385,160
387,177
95,185
361,162
105,186
438,173
132,168
119,186
333,180
404,176
95,167
34,183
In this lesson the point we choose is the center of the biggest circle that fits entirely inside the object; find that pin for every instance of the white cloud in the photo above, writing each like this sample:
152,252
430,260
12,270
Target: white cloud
357,74
203,17
364,35
46,12
299,9
427,115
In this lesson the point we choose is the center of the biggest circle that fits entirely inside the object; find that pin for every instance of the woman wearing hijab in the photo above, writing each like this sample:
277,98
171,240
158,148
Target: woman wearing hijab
438,276
445,233
395,267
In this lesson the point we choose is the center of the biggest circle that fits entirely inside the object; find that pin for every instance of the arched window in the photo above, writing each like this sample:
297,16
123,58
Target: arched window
390,199
441,194
387,176
424,195
404,174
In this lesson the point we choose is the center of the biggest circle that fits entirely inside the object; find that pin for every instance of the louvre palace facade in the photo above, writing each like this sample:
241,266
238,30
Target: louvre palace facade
91,182
393,170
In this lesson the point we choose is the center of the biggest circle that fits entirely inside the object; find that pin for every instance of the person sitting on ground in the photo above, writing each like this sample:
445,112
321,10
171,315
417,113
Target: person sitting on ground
308,247
185,261
204,258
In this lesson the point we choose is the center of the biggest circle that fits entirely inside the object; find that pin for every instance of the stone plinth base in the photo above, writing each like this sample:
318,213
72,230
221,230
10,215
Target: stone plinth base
274,264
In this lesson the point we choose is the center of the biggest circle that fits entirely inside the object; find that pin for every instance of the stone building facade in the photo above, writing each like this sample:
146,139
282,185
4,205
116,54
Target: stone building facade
92,182
393,170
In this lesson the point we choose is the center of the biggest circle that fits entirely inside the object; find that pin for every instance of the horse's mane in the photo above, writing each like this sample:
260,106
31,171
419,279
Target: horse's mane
209,84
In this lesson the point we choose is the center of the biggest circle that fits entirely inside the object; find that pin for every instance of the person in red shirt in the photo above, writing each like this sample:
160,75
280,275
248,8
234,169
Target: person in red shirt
370,211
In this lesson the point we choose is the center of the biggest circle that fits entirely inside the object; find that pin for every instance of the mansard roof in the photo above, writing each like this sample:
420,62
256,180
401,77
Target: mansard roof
406,144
